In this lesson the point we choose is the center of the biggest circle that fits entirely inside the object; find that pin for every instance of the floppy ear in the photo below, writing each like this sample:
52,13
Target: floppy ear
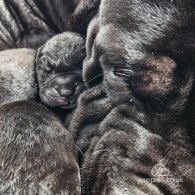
38,54
92,71
83,14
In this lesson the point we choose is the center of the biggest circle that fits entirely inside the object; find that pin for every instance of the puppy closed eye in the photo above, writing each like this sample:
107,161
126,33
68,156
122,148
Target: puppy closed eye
124,73
46,66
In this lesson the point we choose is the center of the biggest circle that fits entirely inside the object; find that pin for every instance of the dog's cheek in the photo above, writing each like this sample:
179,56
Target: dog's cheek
156,78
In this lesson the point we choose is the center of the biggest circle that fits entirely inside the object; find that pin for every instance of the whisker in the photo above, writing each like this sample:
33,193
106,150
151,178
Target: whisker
80,150
94,78
84,85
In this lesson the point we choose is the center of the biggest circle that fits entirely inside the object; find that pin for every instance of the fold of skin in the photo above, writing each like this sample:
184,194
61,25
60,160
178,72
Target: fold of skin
142,114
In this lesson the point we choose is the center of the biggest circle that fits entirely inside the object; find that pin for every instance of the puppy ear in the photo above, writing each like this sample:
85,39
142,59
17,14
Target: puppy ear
38,54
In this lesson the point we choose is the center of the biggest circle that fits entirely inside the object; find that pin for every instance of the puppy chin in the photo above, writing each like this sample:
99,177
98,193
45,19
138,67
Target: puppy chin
56,101
52,99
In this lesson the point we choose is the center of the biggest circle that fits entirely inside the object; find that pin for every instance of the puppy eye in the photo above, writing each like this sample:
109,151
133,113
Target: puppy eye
47,67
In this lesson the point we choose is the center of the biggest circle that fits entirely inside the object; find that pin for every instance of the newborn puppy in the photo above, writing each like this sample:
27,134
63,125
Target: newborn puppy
136,129
37,153
58,67
17,75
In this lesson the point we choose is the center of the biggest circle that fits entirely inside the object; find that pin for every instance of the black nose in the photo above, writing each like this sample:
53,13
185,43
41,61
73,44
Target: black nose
66,92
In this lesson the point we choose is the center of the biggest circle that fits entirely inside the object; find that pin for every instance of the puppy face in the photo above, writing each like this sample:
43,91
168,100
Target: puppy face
145,56
58,66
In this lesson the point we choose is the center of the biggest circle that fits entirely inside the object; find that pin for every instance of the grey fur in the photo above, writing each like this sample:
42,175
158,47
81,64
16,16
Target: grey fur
17,75
37,153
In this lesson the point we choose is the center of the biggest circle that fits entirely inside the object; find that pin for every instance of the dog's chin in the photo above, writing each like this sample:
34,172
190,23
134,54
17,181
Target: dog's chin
58,101
52,98
53,101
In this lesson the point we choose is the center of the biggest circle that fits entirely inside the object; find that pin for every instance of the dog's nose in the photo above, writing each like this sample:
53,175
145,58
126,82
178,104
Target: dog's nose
66,92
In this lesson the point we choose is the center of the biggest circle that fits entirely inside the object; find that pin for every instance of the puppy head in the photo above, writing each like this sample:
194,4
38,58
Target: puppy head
59,66
145,52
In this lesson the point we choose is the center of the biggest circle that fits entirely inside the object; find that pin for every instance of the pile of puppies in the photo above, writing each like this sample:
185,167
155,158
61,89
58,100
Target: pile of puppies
97,97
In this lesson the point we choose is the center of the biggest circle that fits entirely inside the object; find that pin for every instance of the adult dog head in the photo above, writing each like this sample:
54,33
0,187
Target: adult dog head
144,118
145,50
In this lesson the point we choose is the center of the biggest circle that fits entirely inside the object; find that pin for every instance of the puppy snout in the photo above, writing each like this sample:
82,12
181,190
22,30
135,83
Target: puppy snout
66,92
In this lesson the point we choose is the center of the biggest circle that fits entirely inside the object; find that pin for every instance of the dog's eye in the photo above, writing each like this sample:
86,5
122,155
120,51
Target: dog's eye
123,73
47,67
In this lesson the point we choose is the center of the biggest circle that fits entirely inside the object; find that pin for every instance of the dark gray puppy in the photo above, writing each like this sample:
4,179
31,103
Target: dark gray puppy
136,129
29,23
17,75
37,153
59,69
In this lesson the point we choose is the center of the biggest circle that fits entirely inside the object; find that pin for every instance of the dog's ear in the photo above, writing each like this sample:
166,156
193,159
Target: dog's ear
92,71
38,54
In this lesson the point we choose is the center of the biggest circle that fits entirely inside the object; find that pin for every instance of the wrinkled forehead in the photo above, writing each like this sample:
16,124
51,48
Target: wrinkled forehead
132,29
64,41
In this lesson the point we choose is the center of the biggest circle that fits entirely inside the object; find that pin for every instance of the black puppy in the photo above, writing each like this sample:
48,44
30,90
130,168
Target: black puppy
59,69
30,23
37,153
136,129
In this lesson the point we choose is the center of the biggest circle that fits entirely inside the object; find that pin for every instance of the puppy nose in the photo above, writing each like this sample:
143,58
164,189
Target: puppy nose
66,92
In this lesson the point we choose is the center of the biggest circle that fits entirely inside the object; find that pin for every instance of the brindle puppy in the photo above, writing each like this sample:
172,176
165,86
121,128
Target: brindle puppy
58,67
29,23
17,75
37,153
136,129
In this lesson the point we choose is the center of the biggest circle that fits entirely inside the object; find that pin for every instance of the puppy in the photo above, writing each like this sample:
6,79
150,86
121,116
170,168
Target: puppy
136,128
59,70
37,153
17,75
